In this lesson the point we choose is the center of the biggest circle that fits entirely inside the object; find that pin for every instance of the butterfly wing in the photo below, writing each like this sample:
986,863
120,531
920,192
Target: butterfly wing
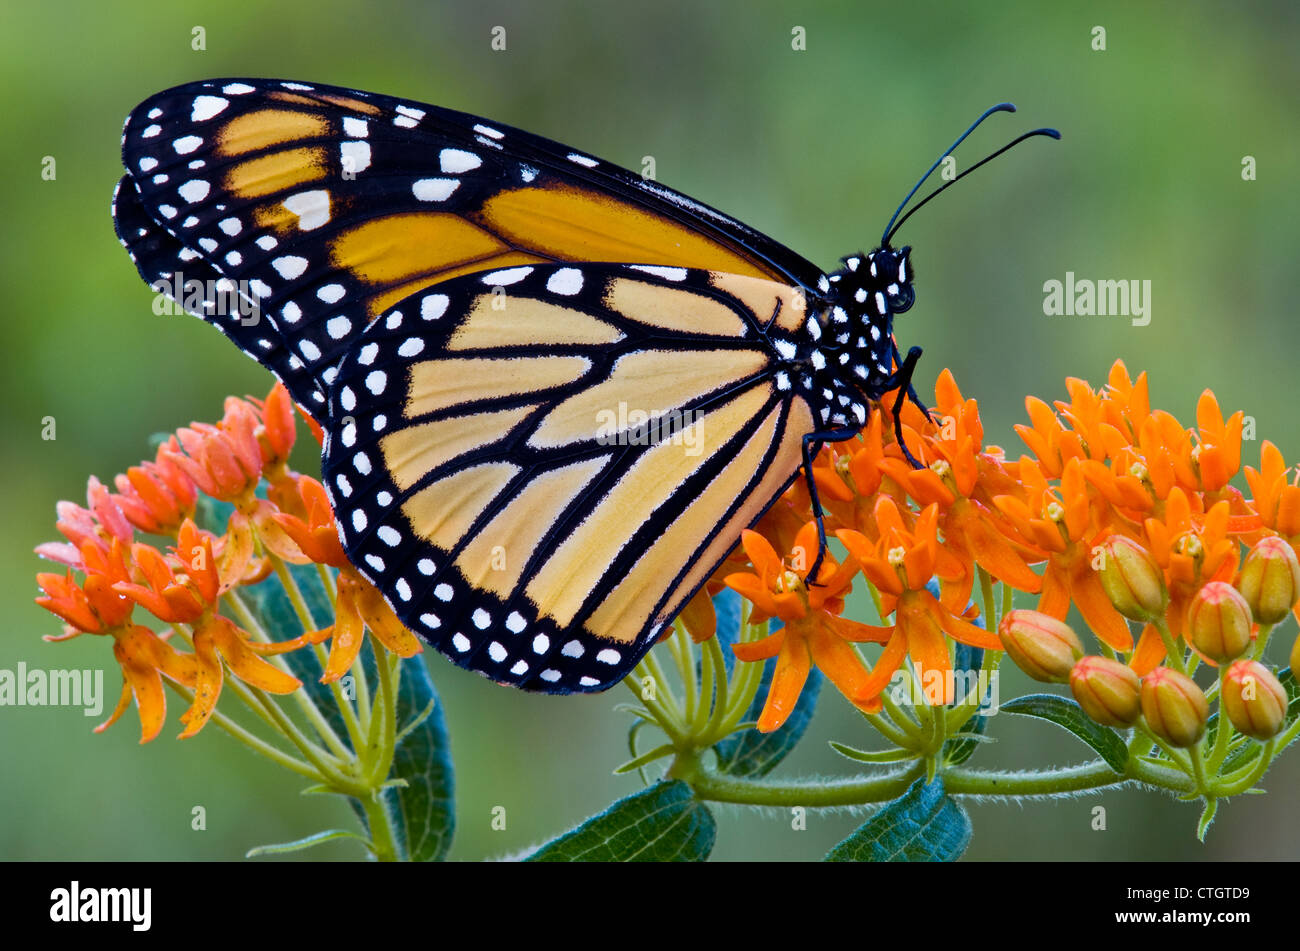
539,466
325,206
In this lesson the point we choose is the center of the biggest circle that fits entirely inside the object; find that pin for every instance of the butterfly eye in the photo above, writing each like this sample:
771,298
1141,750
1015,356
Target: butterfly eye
902,301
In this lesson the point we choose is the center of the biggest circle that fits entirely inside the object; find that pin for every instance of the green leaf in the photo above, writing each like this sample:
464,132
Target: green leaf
922,825
1207,817
328,835
750,753
423,809
646,758
1070,716
871,756
664,823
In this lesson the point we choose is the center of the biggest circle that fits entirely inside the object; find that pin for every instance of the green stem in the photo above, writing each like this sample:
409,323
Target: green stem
1172,652
380,824
986,590
1261,641
1223,733
253,742
1236,783
382,742
348,712
301,697
957,781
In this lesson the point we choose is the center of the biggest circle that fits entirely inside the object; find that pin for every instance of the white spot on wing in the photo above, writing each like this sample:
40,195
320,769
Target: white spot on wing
454,161
355,156
312,208
196,189
434,306
434,189
566,281
667,273
290,266
205,107
511,275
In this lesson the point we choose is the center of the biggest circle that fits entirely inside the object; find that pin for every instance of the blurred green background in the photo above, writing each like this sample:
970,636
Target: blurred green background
813,147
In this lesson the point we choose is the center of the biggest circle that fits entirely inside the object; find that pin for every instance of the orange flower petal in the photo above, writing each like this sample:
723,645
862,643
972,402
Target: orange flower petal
792,666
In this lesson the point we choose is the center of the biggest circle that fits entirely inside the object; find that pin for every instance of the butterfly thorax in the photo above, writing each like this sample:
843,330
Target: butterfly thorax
850,360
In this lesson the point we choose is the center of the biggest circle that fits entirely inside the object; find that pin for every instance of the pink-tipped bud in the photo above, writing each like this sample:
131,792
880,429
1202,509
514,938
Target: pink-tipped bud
1175,708
1108,691
1043,647
1132,579
1219,622
1253,699
1270,580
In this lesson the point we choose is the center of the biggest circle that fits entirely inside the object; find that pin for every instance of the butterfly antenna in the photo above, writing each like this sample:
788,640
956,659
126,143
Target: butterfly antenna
1050,133
1000,107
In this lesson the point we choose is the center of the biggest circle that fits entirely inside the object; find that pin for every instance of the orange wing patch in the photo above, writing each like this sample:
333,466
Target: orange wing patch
255,131
566,223
578,564
628,606
650,381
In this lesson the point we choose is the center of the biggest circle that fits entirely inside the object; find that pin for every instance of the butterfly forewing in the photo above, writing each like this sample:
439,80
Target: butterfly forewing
327,206
539,465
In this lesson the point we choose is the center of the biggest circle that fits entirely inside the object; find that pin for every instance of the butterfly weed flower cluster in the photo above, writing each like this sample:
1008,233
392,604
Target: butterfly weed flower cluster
1118,512
180,569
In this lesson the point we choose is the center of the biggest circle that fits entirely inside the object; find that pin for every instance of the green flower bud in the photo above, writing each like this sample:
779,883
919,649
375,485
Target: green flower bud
1041,646
1253,699
1132,579
1219,622
1270,580
1107,690
1175,708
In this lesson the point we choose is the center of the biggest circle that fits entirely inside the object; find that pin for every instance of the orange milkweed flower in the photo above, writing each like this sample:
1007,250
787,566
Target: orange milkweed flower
1277,499
94,607
1192,548
1217,454
191,598
972,527
900,564
1063,522
156,496
357,602
812,631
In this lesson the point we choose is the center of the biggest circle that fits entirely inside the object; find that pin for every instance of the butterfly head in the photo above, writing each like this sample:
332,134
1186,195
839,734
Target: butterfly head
877,285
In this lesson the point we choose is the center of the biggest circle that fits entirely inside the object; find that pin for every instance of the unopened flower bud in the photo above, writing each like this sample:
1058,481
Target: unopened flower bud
1107,690
1219,622
1175,708
1270,579
1132,579
1253,699
1295,655
1041,646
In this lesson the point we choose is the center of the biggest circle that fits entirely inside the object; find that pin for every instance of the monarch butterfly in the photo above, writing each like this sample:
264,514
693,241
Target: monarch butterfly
491,328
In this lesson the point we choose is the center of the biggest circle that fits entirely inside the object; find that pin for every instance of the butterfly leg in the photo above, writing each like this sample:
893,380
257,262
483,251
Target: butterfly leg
901,379
809,441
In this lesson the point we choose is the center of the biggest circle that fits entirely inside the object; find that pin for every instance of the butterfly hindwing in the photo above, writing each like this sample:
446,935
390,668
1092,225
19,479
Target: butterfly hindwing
538,466
327,206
